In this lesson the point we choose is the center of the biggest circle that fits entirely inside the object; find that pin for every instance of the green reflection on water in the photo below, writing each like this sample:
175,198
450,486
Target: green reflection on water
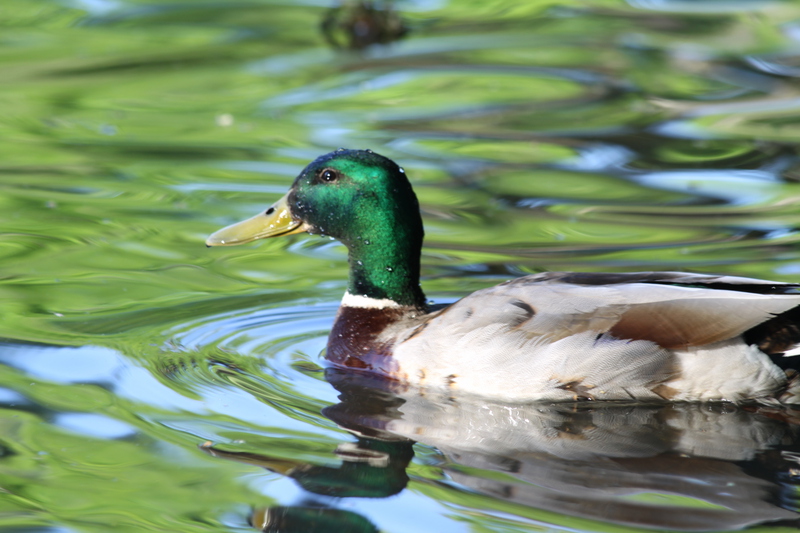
539,136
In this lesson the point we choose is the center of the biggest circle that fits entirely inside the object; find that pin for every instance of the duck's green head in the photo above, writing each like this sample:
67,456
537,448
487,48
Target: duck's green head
362,199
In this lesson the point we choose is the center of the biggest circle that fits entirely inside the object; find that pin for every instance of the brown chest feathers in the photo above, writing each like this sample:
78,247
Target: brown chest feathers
354,340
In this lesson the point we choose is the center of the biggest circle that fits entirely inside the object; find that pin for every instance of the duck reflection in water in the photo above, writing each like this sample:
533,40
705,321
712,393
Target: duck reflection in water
735,466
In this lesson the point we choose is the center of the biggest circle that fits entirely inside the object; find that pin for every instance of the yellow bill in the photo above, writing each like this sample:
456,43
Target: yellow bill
274,222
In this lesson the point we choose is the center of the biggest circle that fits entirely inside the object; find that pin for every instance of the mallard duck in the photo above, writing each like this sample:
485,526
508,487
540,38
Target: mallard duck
644,336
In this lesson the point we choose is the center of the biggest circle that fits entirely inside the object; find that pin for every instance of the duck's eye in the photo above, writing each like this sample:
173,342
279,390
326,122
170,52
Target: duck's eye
328,175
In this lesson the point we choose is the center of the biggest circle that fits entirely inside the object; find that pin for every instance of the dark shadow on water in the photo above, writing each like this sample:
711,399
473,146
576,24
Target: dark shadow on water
686,467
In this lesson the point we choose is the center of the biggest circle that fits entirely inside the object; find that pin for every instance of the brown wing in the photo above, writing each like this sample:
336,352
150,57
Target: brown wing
673,310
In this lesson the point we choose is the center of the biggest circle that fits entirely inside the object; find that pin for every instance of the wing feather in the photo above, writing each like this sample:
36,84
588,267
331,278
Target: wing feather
672,316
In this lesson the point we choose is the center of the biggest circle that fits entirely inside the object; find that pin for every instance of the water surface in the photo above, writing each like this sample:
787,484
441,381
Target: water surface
151,384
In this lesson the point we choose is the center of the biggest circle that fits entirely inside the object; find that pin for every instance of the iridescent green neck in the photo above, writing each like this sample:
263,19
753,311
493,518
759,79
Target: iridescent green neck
386,266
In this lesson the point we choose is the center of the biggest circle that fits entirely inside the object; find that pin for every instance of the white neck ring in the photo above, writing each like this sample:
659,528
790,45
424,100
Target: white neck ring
365,302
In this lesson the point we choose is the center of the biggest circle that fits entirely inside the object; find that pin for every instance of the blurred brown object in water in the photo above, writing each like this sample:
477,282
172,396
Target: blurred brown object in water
357,25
